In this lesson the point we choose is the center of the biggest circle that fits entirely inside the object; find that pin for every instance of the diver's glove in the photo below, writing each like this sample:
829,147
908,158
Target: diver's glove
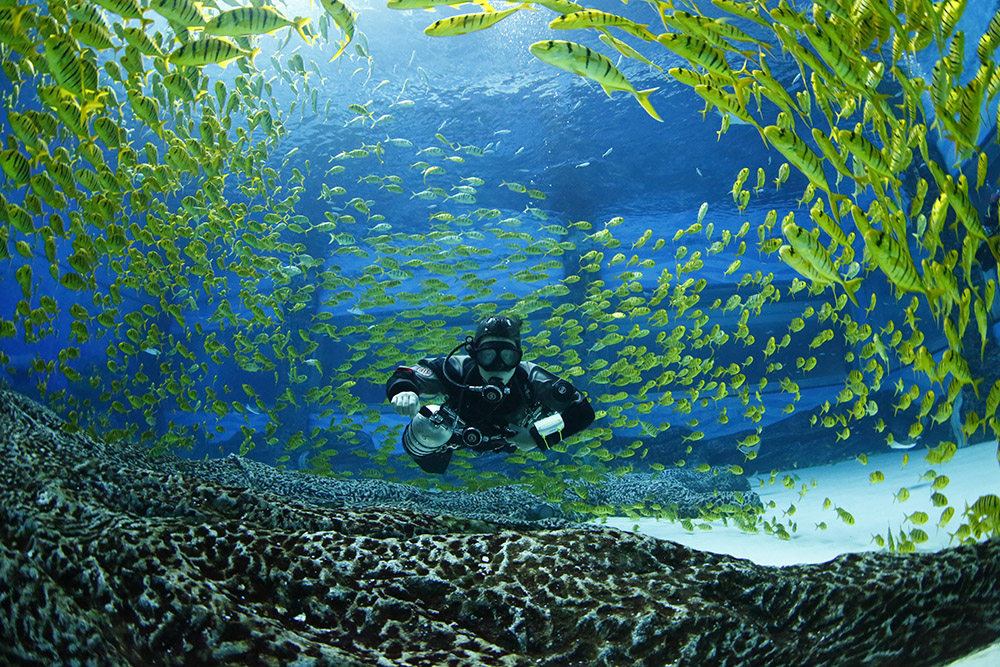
406,403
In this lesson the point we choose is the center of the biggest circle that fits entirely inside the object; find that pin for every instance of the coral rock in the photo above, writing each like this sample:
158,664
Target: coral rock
108,557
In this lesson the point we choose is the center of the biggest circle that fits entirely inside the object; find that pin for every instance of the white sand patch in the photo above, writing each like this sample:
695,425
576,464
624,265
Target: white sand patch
974,471
988,657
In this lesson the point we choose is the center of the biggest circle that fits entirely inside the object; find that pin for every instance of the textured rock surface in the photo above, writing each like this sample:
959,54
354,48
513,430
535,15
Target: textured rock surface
107,558
682,489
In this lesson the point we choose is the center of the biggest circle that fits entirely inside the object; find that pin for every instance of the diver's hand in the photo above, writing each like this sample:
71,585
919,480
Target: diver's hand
521,438
406,403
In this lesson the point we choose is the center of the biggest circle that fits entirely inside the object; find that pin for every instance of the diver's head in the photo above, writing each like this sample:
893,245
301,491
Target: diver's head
496,347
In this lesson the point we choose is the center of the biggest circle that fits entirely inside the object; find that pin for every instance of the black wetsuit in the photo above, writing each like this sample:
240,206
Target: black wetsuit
530,387
983,254
991,224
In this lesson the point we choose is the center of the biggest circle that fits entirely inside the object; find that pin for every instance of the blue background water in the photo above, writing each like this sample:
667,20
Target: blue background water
595,157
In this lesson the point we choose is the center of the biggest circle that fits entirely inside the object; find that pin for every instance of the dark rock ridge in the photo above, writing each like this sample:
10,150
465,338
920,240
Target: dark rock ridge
685,491
109,558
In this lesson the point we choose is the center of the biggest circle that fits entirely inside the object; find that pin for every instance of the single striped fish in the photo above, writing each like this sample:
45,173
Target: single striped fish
344,18
831,153
15,165
799,154
209,50
95,35
127,9
431,4
146,109
866,151
254,21
593,18
795,260
894,260
579,59
626,50
466,23
108,131
729,103
140,40
73,73
83,11
699,52
806,245
180,86
182,12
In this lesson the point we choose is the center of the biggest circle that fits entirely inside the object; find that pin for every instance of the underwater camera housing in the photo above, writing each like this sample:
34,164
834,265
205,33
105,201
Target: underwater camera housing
434,425
427,430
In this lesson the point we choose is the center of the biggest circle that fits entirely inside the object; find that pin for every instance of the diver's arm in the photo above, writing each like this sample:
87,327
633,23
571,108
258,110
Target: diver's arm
578,416
424,377
404,387
573,407
427,376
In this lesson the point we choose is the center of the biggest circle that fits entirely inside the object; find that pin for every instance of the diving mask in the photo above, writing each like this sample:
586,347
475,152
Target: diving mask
497,355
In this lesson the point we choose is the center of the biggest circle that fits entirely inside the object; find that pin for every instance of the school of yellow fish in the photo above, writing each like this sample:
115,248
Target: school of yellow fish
95,74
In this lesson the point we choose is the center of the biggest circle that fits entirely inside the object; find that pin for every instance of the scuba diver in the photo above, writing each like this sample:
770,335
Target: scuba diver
494,402
991,224
984,255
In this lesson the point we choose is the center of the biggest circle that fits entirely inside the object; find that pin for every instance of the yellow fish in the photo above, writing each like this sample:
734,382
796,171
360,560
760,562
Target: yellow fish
831,153
429,5
895,261
867,153
253,21
184,13
127,9
209,50
15,165
827,224
799,154
73,73
466,23
941,454
808,247
959,367
626,50
966,211
592,18
729,104
581,60
344,18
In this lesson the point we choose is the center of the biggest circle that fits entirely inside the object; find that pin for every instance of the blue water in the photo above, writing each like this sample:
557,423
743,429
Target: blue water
594,157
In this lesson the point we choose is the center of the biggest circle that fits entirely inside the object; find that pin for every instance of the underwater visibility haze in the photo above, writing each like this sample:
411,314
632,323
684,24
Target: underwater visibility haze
759,236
